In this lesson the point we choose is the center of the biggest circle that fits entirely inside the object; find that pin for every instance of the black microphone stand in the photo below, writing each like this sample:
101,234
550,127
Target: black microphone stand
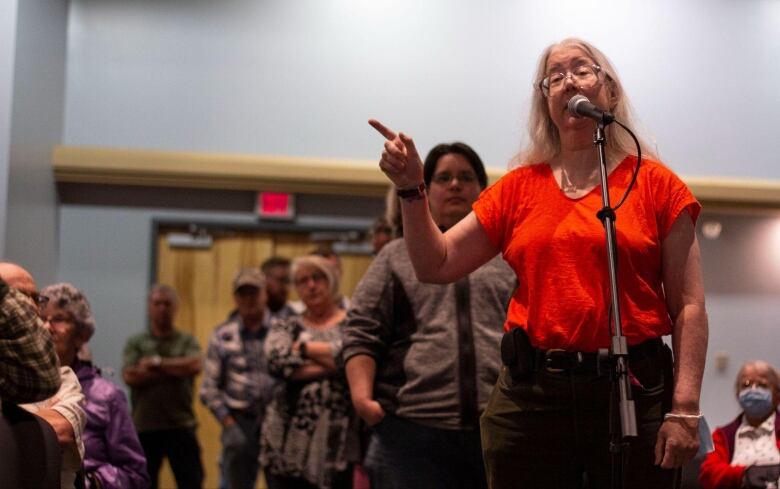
617,357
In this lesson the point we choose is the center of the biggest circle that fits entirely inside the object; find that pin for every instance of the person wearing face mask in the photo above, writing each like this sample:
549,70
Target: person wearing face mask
753,439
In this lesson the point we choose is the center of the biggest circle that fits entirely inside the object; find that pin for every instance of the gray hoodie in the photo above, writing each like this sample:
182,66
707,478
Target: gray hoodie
427,354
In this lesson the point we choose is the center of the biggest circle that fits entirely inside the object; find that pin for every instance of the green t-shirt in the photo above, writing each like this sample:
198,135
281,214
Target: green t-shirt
166,404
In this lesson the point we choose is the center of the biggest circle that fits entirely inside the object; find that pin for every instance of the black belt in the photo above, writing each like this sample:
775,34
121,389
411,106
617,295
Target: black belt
562,361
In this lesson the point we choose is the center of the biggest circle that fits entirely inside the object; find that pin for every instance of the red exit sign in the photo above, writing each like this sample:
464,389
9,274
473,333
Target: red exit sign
275,205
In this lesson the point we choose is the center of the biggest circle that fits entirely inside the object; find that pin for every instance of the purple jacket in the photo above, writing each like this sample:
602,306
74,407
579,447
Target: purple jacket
112,450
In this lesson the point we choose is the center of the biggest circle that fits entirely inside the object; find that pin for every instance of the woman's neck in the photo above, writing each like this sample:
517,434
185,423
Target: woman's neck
754,422
576,171
579,164
576,168
322,315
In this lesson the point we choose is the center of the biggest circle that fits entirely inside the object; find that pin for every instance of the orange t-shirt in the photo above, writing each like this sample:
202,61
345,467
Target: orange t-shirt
556,246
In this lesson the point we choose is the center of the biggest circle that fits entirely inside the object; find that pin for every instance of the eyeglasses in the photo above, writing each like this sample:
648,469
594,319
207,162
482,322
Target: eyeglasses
315,277
444,178
584,75
57,320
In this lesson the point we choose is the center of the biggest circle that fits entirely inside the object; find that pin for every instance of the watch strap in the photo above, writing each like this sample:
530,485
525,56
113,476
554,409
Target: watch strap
410,194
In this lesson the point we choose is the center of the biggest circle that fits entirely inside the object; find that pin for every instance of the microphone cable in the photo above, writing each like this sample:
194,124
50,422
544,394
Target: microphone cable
636,168
630,187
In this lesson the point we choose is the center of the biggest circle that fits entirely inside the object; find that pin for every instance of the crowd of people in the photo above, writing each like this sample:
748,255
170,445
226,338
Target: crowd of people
412,382
379,390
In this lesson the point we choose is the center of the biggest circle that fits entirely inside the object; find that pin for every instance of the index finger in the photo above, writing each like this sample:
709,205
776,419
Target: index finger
384,131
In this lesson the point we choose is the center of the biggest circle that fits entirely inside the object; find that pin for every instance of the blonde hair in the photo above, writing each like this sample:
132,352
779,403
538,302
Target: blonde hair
545,141
321,264
393,212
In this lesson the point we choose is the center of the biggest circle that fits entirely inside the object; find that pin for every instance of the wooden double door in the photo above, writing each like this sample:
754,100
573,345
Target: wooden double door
202,278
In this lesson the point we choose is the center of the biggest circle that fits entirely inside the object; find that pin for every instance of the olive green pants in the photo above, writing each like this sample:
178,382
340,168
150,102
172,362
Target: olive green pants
551,430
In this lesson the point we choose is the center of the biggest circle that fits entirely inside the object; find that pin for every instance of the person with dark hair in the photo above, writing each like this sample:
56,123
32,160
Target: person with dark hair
113,457
457,148
750,442
277,286
421,359
547,423
160,366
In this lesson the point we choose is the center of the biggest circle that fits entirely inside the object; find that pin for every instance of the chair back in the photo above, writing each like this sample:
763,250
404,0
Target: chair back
30,455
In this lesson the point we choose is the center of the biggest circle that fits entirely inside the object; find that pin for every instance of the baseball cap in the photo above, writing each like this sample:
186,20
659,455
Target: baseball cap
251,276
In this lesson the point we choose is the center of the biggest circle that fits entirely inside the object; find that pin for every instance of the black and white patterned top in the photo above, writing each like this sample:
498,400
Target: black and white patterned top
308,430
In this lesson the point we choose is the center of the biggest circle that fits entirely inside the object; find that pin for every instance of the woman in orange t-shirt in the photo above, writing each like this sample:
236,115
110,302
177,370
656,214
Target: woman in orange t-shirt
546,424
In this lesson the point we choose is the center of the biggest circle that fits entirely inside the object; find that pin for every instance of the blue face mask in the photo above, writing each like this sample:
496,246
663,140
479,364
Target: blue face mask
756,402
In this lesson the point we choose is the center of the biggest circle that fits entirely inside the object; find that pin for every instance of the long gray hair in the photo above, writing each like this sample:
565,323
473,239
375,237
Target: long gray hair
545,141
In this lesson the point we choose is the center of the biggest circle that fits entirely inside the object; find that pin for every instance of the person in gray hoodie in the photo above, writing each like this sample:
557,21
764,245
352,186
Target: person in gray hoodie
421,359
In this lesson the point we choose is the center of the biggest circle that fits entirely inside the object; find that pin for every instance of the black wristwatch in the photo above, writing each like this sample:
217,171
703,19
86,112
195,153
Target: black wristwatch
410,194
302,350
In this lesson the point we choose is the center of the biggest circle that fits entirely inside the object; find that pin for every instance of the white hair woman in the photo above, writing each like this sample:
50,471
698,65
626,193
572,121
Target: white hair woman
546,424
113,457
753,438
307,440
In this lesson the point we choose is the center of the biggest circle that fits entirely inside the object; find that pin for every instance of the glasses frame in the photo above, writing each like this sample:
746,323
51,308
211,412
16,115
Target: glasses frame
56,321
317,277
544,83
439,177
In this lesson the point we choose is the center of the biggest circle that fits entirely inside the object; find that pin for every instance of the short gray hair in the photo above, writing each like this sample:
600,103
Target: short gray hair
762,367
69,298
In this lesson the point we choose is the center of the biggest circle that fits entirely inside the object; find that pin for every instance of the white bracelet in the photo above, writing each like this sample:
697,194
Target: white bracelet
682,416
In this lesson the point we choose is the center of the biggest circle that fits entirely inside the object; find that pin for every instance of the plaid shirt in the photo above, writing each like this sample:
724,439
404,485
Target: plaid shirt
235,373
29,368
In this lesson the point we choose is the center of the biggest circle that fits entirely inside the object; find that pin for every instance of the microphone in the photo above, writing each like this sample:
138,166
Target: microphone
580,106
